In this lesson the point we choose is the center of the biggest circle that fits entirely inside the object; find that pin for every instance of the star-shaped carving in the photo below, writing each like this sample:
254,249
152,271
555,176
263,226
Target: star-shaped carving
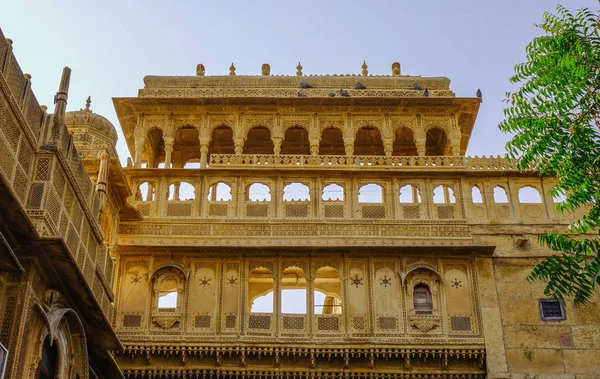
456,283
385,281
232,281
356,281
136,279
205,281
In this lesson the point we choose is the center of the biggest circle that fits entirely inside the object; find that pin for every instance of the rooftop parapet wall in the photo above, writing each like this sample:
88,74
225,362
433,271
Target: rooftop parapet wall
42,167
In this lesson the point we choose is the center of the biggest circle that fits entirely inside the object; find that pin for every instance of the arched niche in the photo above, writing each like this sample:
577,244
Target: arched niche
332,142
168,285
295,141
222,141
293,291
436,142
154,148
529,195
260,290
368,141
404,143
327,291
423,286
258,141
186,145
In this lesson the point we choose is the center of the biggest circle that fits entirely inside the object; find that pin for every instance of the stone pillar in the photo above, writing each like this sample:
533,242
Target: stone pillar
420,144
455,146
176,187
314,147
388,147
239,146
277,141
203,154
349,146
169,141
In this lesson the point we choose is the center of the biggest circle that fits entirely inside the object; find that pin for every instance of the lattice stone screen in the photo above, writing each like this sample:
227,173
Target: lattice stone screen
412,211
218,209
445,212
373,210
293,322
132,320
333,209
462,324
296,209
257,209
179,208
387,323
328,323
202,321
259,321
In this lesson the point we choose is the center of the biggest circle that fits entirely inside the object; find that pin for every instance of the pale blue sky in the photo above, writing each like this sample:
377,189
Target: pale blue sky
111,45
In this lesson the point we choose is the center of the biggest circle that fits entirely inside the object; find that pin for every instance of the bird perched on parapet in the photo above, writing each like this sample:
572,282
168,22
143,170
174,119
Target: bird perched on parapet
418,87
478,93
344,93
331,94
426,93
300,94
359,85
305,85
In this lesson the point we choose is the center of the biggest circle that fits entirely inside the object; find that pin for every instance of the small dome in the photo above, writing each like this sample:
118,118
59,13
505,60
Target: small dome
91,128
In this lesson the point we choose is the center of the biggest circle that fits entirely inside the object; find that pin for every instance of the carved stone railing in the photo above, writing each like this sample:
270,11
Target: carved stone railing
49,180
338,161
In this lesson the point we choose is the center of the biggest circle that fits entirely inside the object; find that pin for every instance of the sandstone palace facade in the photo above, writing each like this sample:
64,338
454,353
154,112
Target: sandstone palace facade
274,227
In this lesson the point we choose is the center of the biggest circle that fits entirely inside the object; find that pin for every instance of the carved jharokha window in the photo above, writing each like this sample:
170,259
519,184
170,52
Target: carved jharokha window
422,299
168,289
47,366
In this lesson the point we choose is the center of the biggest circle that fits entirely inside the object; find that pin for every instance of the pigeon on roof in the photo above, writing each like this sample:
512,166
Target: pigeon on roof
418,87
344,93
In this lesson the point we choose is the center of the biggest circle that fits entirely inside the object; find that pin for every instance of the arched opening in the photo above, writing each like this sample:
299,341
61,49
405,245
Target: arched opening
166,293
404,144
258,196
368,142
296,192
46,368
260,291
422,300
443,194
409,194
500,196
370,193
221,141
258,141
293,291
145,192
327,294
436,142
333,192
154,149
187,146
181,191
476,195
332,142
258,192
529,195
219,192
295,141
296,199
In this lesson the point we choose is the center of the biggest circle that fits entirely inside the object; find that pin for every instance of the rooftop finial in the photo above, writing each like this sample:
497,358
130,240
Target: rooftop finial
88,102
299,69
364,67
232,70
266,69
395,69
200,70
